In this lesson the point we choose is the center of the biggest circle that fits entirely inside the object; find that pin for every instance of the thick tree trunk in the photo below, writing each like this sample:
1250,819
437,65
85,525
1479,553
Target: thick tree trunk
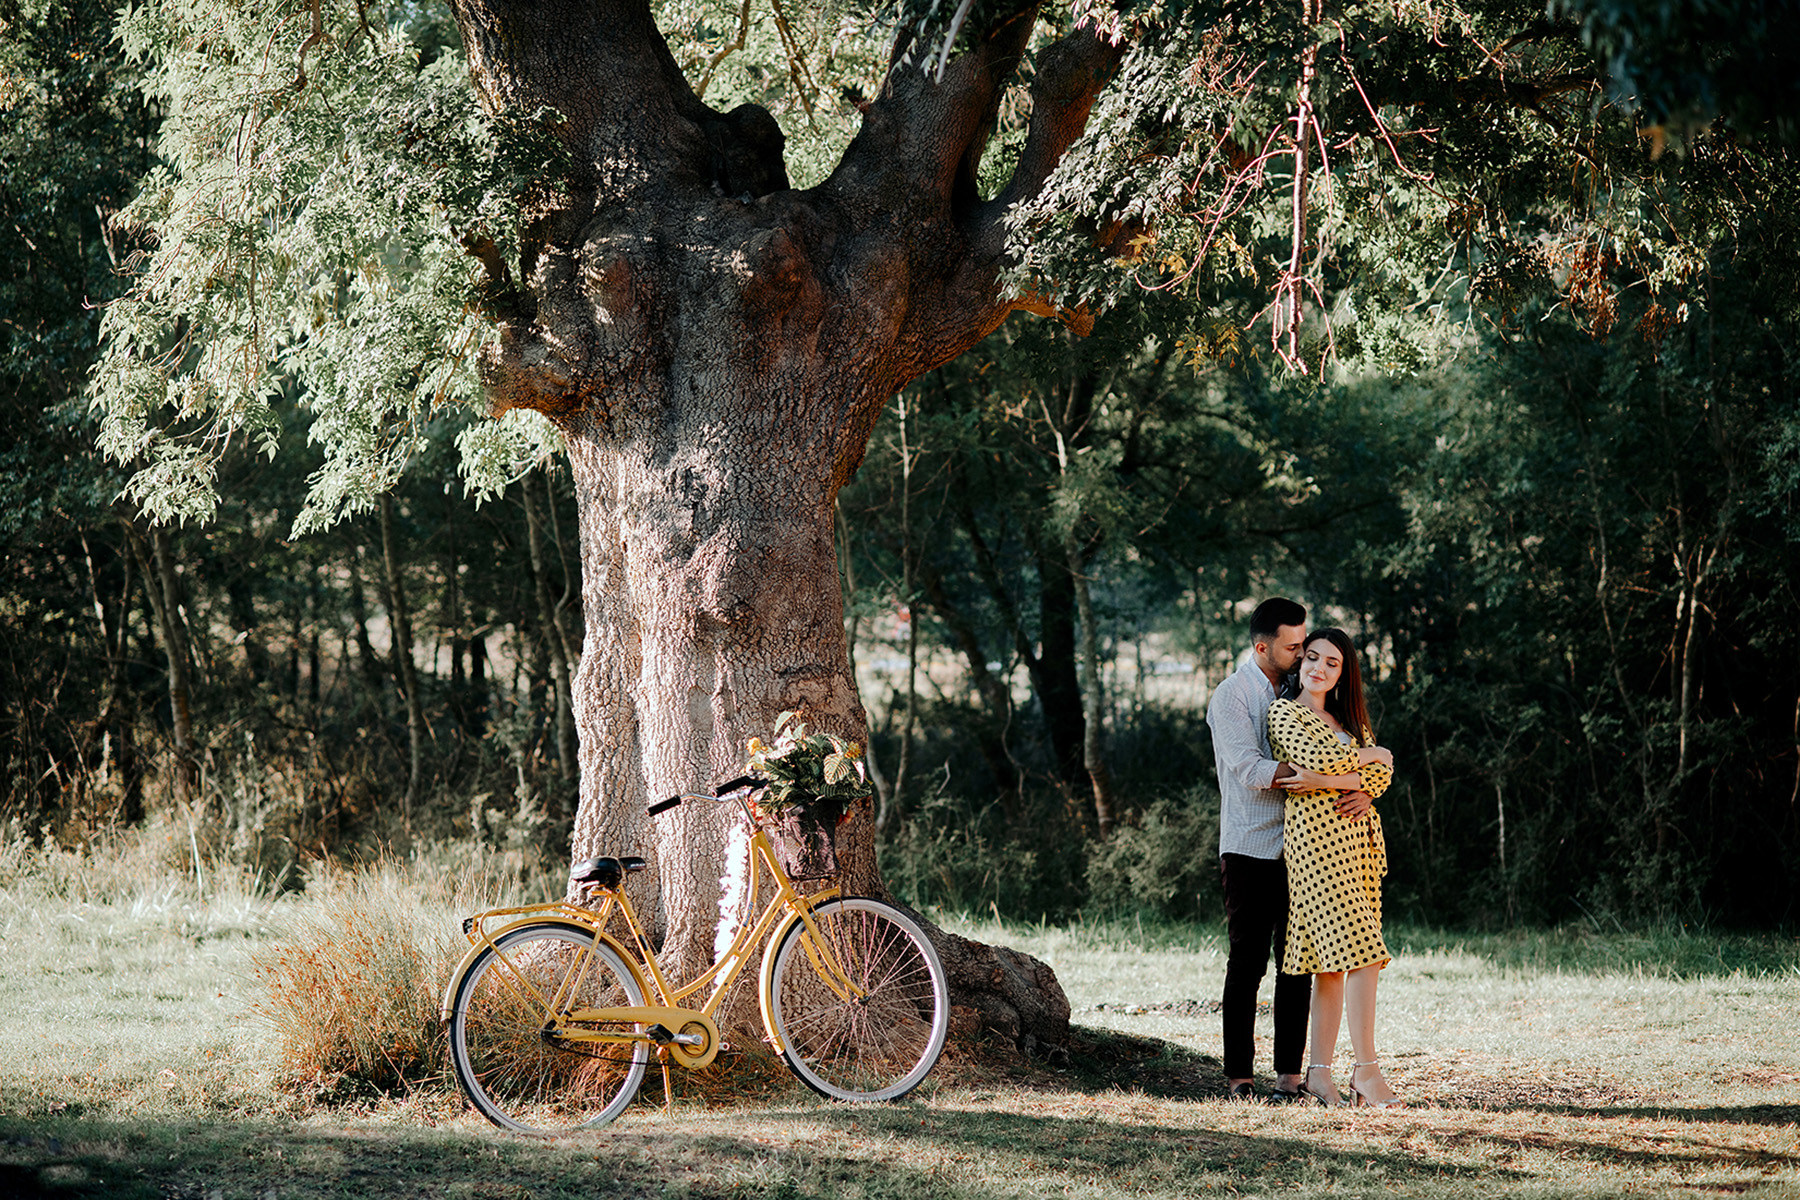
716,348
720,625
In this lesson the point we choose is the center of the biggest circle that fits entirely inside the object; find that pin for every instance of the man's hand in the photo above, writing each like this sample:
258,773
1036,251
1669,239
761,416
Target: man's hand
1353,805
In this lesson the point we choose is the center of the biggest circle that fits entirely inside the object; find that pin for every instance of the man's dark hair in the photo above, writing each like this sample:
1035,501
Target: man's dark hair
1272,614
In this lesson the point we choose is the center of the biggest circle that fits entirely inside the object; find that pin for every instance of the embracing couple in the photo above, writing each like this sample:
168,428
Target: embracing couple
1301,855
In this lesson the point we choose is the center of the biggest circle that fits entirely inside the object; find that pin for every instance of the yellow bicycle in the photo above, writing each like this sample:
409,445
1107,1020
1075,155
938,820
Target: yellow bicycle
552,1025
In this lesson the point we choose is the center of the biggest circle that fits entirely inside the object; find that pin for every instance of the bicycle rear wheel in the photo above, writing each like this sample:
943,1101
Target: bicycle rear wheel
874,1046
513,1072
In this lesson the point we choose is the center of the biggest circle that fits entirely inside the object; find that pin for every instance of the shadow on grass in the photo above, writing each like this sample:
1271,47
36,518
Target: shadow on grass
1133,1157
904,1152
1102,1059
169,1159
1410,1154
908,1151
1661,1155
1712,1114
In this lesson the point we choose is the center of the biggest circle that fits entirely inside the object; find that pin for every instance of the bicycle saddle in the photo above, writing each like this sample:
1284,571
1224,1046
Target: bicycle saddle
605,872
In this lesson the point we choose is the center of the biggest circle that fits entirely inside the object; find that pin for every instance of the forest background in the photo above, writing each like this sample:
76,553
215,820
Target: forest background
1561,525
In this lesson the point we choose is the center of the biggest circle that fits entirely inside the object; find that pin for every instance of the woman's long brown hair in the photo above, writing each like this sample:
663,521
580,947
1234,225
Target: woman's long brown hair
1345,699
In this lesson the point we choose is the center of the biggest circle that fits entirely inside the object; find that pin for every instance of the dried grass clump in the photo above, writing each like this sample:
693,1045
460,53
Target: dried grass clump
353,993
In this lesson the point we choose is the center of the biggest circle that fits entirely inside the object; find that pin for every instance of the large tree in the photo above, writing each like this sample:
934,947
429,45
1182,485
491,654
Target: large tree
715,348
713,345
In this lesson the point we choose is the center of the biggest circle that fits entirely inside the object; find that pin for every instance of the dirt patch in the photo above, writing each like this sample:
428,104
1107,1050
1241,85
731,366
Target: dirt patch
1481,1081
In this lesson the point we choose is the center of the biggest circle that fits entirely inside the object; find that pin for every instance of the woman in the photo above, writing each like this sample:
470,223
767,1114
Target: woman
1335,862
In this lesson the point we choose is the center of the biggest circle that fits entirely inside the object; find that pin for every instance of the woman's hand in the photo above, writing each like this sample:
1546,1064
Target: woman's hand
1304,780
1375,754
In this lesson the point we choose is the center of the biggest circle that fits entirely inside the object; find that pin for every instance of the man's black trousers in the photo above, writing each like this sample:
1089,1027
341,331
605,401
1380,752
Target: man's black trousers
1256,914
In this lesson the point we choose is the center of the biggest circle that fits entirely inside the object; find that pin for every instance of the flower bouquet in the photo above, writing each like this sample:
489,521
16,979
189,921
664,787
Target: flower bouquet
811,778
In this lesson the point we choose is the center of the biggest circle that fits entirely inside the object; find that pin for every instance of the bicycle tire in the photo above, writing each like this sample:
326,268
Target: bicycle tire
515,1075
879,1046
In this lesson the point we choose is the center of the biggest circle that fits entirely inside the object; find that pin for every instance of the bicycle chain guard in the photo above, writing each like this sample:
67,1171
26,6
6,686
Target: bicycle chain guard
698,1036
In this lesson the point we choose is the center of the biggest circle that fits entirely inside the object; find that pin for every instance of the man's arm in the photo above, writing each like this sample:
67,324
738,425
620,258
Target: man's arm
1238,743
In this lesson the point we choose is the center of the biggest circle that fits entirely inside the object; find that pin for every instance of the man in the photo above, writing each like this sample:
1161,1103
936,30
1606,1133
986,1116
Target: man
1251,809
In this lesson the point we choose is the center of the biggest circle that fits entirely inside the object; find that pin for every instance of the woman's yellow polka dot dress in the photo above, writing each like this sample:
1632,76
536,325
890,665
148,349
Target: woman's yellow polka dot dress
1335,864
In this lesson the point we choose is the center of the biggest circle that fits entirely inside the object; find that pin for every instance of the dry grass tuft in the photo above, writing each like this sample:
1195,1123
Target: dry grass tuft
352,993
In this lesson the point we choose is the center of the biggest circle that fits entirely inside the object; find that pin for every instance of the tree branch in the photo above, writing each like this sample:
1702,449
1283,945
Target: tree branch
1071,75
505,298
726,50
626,109
925,130
312,39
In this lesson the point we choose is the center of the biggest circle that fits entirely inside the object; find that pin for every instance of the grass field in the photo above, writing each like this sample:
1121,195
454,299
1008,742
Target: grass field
1557,1064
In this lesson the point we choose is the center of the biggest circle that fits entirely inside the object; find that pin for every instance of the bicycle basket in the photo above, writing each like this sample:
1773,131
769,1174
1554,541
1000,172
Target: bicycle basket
805,837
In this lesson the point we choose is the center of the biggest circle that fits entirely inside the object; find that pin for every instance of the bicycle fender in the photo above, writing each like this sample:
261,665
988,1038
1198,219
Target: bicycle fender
601,936
765,987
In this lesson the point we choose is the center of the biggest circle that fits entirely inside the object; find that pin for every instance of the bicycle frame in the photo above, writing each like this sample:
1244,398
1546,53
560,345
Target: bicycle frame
669,1025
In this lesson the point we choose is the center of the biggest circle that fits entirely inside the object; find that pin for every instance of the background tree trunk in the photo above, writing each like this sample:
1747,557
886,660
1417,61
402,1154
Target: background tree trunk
557,646
1093,696
119,748
163,590
406,670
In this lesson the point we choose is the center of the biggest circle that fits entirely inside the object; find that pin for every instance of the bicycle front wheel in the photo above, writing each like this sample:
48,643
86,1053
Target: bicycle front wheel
517,1074
879,1041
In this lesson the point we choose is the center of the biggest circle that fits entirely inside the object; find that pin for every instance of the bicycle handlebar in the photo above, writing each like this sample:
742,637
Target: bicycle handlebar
721,791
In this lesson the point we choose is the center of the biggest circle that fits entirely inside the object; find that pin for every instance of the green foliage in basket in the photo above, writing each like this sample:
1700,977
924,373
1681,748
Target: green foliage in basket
802,767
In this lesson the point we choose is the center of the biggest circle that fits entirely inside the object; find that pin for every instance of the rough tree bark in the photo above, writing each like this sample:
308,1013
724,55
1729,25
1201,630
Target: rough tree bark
716,347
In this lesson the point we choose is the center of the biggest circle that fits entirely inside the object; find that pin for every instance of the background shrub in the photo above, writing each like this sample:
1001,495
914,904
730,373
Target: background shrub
1166,863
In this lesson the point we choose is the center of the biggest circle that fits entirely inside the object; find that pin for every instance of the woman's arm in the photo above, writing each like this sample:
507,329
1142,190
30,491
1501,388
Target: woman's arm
1377,773
1298,737
1376,778
1303,780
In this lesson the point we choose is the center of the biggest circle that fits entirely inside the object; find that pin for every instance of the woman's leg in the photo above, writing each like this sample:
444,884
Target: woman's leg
1359,1002
1327,1017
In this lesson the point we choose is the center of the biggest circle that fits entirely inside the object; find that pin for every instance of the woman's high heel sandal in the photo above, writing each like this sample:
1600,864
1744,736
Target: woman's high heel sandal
1361,1098
1308,1092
